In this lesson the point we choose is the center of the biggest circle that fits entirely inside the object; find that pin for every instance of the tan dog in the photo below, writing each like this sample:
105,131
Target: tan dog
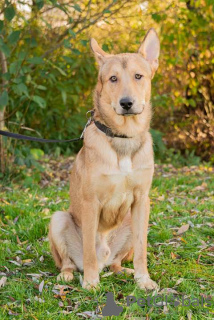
111,177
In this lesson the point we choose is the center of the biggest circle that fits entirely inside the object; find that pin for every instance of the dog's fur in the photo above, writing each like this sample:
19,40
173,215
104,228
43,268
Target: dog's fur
108,217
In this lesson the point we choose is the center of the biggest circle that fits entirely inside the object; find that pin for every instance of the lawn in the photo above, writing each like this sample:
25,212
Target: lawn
180,251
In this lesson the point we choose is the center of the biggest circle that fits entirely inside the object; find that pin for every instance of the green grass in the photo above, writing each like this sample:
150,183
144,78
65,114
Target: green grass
183,263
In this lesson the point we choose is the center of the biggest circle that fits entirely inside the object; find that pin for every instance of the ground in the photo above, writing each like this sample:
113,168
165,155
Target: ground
180,251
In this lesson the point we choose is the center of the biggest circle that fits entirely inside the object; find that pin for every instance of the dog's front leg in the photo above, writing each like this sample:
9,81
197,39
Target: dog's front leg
140,220
89,230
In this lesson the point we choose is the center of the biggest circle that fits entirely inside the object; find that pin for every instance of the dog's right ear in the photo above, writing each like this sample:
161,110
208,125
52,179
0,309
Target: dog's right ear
150,49
98,52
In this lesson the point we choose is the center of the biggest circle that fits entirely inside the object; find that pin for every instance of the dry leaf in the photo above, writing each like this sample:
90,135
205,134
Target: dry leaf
61,287
11,313
161,198
81,279
210,248
173,256
189,314
3,281
179,281
41,286
201,187
165,309
39,299
18,240
41,259
183,240
34,275
107,274
27,261
183,229
46,211
161,303
14,262
168,290
86,314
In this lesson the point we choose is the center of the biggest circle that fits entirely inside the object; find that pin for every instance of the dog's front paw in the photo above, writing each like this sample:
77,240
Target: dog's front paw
145,283
90,284
66,276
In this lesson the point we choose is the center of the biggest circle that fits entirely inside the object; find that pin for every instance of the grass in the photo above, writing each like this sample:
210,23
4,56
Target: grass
181,264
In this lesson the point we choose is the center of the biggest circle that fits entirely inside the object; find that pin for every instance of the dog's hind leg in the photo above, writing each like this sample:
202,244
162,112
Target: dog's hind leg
65,244
120,243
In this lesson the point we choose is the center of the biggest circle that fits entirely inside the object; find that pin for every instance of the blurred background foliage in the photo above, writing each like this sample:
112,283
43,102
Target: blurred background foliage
48,73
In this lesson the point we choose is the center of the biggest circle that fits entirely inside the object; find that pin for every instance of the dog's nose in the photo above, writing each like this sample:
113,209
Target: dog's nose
126,103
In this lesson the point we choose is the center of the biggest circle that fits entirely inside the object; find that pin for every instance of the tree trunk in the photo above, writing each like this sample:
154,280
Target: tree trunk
2,113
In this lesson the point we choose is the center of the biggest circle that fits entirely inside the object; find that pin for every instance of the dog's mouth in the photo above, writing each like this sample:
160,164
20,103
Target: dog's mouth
129,114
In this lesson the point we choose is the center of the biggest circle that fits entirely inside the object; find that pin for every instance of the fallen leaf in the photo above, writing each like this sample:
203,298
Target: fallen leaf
15,220
202,287
34,275
168,290
11,298
11,313
189,315
41,286
86,314
161,303
107,274
16,263
3,281
183,229
39,299
210,248
179,281
46,211
4,201
81,279
198,259
27,261
183,240
62,287
18,240
165,309
173,256
201,187
161,198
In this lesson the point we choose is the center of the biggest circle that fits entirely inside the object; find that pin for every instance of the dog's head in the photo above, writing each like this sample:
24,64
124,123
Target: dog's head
124,81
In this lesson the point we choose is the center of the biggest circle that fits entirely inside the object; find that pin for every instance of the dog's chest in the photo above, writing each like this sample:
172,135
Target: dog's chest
125,165
116,191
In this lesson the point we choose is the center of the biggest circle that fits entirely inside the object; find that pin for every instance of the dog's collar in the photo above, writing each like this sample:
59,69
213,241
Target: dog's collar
102,127
108,131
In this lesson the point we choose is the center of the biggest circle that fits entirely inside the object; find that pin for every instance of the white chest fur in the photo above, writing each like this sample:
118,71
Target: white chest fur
125,165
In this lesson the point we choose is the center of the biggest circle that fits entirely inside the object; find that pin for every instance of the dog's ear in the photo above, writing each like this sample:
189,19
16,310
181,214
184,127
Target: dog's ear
150,49
98,52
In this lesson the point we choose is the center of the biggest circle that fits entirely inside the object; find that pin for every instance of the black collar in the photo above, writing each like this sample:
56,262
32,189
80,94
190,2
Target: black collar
107,130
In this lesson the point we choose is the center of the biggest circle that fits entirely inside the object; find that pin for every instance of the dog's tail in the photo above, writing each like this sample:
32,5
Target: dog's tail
54,251
129,256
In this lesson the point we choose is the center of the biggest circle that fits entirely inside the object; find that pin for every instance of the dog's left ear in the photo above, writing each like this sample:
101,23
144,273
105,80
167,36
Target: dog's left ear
150,49
98,52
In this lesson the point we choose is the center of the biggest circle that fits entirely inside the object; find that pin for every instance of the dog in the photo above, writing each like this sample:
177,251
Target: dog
107,220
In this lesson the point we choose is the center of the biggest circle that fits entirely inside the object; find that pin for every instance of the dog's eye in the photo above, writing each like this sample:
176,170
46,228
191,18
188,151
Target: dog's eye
113,79
138,76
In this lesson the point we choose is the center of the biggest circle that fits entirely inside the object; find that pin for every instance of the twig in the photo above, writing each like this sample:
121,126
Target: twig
99,16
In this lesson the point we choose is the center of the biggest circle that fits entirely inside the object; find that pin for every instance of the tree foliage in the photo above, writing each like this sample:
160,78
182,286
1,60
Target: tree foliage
48,84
